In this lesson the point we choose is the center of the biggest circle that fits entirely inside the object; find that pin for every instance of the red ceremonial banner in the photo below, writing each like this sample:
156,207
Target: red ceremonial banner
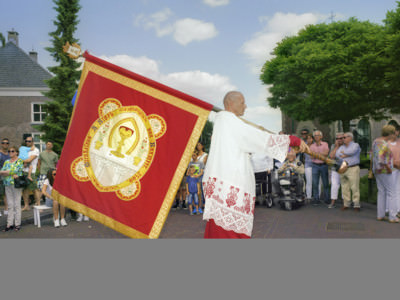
128,145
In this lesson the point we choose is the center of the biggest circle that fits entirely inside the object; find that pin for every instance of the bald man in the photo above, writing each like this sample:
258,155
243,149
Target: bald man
228,181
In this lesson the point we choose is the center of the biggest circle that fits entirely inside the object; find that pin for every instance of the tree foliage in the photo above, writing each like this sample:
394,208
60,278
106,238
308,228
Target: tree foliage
206,134
2,40
65,82
329,72
392,51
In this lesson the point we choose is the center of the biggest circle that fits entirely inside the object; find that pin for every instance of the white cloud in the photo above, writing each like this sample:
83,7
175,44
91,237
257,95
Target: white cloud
205,86
208,87
189,30
141,65
214,3
156,21
184,31
258,49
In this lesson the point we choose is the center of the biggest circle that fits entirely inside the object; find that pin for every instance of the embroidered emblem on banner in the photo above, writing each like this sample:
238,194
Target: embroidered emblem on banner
118,149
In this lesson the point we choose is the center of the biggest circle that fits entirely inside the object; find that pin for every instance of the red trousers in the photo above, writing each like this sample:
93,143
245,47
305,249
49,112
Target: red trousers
213,231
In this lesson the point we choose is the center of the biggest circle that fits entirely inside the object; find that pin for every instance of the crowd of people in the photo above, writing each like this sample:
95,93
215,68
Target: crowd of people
27,172
319,182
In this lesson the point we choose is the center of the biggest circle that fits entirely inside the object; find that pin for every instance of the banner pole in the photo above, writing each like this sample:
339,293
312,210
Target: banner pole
217,109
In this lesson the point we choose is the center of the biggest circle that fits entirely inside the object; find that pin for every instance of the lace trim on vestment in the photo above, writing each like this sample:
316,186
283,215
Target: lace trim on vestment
229,206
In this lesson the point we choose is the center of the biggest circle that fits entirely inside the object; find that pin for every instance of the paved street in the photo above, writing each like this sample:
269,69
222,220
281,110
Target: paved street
306,222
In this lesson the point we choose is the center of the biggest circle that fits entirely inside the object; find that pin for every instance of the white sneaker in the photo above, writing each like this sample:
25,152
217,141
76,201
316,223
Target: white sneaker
56,223
63,223
80,218
85,218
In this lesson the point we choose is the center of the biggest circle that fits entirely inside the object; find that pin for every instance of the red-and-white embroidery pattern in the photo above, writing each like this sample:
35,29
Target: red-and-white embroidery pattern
230,207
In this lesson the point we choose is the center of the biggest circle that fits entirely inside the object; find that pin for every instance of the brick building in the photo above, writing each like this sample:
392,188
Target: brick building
21,98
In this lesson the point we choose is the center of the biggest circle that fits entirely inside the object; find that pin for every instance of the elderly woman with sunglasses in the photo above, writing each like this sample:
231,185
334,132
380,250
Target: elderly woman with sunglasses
12,168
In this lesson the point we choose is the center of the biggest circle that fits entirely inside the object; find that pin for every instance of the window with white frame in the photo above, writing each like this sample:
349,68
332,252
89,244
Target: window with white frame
38,113
41,145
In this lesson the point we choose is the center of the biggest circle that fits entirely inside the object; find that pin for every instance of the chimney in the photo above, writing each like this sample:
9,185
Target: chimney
13,37
33,55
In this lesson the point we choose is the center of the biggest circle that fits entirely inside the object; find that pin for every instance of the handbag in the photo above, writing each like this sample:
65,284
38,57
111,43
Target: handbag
20,182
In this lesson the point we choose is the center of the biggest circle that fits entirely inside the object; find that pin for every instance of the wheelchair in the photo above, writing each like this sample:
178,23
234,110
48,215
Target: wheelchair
264,189
286,185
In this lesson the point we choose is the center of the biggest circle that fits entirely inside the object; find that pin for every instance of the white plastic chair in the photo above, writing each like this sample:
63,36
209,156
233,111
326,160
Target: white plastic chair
36,213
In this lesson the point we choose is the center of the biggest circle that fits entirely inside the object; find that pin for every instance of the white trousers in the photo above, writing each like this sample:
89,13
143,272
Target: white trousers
14,205
335,184
396,189
308,174
385,184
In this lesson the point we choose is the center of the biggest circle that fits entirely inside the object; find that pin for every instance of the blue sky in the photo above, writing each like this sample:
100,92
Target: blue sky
202,47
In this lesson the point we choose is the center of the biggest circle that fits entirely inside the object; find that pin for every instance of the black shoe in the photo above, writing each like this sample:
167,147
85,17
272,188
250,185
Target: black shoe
184,205
315,202
175,206
8,229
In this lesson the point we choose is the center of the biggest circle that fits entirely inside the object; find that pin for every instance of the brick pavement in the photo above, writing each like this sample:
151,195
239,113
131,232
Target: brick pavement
307,222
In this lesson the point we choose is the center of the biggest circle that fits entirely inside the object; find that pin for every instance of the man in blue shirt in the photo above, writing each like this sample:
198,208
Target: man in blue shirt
350,179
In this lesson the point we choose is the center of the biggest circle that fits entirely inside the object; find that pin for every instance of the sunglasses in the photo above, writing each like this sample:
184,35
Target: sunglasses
5,143
11,151
28,141
340,138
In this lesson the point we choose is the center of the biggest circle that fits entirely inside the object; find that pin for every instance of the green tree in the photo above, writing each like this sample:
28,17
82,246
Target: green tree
206,134
392,51
65,82
328,72
2,40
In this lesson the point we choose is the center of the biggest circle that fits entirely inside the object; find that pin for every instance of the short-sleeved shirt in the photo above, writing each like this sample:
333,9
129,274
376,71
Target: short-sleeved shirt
33,162
192,184
323,147
381,156
3,158
395,148
15,168
49,188
24,152
198,165
48,160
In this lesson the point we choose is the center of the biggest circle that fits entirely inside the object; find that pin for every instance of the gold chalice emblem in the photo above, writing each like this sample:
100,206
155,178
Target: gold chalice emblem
129,134
124,132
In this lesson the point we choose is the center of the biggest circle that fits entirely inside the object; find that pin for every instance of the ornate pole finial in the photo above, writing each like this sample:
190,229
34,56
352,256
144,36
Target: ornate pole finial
73,51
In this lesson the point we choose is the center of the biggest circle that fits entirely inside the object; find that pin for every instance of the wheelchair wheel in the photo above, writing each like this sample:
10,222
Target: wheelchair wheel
269,202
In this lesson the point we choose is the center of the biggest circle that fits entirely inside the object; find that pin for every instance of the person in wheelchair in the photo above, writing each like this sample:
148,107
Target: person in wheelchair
296,166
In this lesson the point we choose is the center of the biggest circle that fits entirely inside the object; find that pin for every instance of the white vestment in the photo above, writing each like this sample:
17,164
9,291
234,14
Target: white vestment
261,162
228,181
